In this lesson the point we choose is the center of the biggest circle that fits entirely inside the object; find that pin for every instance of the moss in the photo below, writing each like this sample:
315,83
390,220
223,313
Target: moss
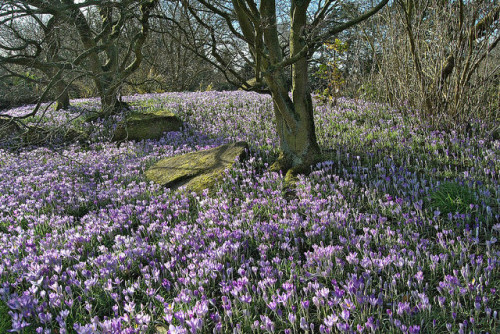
280,165
150,115
139,126
291,178
196,170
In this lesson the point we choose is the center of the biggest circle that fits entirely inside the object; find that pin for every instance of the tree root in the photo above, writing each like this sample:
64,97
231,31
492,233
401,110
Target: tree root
284,165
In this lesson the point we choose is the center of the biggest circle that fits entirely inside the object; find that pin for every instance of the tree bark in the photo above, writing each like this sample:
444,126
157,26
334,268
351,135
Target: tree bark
298,144
110,104
62,101
294,117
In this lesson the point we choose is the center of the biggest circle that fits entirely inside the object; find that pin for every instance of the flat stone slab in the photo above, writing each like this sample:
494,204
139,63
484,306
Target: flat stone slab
197,170
150,125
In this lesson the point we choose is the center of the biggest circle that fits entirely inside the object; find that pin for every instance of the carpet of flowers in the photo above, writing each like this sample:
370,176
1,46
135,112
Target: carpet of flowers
88,245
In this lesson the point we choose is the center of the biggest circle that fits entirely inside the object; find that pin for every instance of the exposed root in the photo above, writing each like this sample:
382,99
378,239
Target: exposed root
284,165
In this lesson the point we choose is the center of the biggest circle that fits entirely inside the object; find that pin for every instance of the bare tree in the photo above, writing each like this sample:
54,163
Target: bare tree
33,44
168,65
274,38
111,35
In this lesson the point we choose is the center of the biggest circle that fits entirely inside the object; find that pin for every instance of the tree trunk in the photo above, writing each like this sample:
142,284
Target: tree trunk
298,144
110,104
62,96
294,121
294,117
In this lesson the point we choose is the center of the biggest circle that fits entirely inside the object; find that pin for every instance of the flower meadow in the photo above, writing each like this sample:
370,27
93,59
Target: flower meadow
394,232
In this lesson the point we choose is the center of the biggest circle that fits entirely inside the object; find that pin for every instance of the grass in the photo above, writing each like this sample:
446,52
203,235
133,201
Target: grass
5,323
452,197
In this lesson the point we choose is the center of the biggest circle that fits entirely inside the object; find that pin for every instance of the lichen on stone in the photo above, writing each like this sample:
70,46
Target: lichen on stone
197,171
151,125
